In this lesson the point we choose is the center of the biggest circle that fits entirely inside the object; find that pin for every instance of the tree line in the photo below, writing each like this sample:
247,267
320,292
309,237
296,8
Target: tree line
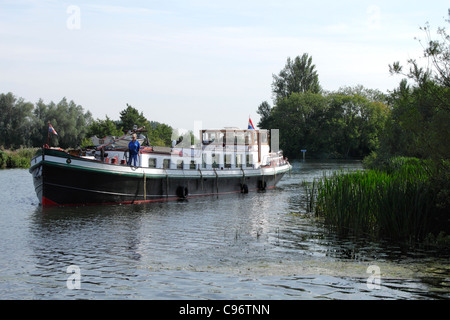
403,137
410,121
339,124
25,125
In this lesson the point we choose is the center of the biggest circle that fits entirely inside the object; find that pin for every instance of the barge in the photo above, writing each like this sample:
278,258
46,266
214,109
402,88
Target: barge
229,160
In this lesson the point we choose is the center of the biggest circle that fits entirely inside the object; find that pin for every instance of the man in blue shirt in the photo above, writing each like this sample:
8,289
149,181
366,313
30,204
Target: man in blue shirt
134,148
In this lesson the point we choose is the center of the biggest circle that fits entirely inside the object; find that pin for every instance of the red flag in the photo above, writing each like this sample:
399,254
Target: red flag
51,129
250,124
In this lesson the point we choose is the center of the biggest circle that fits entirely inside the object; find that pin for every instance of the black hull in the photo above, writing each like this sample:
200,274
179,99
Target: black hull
58,184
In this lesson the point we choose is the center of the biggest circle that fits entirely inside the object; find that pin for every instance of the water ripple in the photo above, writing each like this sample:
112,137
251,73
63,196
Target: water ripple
250,246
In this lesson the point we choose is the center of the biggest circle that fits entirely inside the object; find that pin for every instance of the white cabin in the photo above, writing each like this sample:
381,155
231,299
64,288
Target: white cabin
222,149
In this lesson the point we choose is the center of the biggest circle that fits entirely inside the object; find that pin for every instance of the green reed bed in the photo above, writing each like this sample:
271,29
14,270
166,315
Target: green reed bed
395,203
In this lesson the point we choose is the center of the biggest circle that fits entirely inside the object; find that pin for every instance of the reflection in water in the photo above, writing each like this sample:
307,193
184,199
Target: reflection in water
257,245
102,241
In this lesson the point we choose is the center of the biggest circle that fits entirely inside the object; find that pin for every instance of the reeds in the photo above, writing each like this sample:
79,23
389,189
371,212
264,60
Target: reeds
395,203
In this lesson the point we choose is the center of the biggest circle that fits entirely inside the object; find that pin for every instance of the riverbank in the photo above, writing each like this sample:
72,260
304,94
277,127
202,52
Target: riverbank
19,158
401,202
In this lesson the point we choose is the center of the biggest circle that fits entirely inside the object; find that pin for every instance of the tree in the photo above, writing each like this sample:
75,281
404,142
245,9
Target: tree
160,134
418,122
299,118
346,123
103,128
25,124
338,124
131,117
421,112
298,75
438,51
354,123
73,123
69,120
16,120
264,110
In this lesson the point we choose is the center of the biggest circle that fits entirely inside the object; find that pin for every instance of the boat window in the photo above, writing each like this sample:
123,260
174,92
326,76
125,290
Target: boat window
214,160
152,162
230,137
227,160
250,137
249,160
263,137
239,161
220,138
204,160
192,165
239,139
208,137
180,164
166,163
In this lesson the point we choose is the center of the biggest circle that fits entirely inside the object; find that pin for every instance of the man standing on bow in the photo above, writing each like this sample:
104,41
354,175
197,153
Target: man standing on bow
134,148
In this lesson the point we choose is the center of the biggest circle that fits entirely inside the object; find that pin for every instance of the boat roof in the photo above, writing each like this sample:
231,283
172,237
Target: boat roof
233,129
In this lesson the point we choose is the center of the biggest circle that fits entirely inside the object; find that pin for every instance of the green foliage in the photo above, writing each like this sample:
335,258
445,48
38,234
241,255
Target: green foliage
160,135
298,75
15,161
73,125
15,121
86,142
418,124
298,118
103,128
23,124
341,124
405,194
264,110
20,158
131,117
440,181
69,120
3,157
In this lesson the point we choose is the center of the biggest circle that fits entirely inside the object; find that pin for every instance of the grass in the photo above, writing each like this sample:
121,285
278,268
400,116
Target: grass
19,158
397,202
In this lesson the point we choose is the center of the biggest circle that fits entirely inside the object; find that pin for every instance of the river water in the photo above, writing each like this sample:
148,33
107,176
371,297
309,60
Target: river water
243,246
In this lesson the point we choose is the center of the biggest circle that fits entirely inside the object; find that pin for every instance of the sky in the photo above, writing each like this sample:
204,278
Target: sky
185,61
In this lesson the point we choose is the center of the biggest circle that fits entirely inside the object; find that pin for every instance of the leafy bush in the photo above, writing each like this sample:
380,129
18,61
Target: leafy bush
20,158
3,157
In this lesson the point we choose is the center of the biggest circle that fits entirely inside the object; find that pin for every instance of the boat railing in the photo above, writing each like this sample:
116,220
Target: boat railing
276,159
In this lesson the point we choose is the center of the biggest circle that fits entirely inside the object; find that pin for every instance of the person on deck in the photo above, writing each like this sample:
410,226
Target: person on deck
134,148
